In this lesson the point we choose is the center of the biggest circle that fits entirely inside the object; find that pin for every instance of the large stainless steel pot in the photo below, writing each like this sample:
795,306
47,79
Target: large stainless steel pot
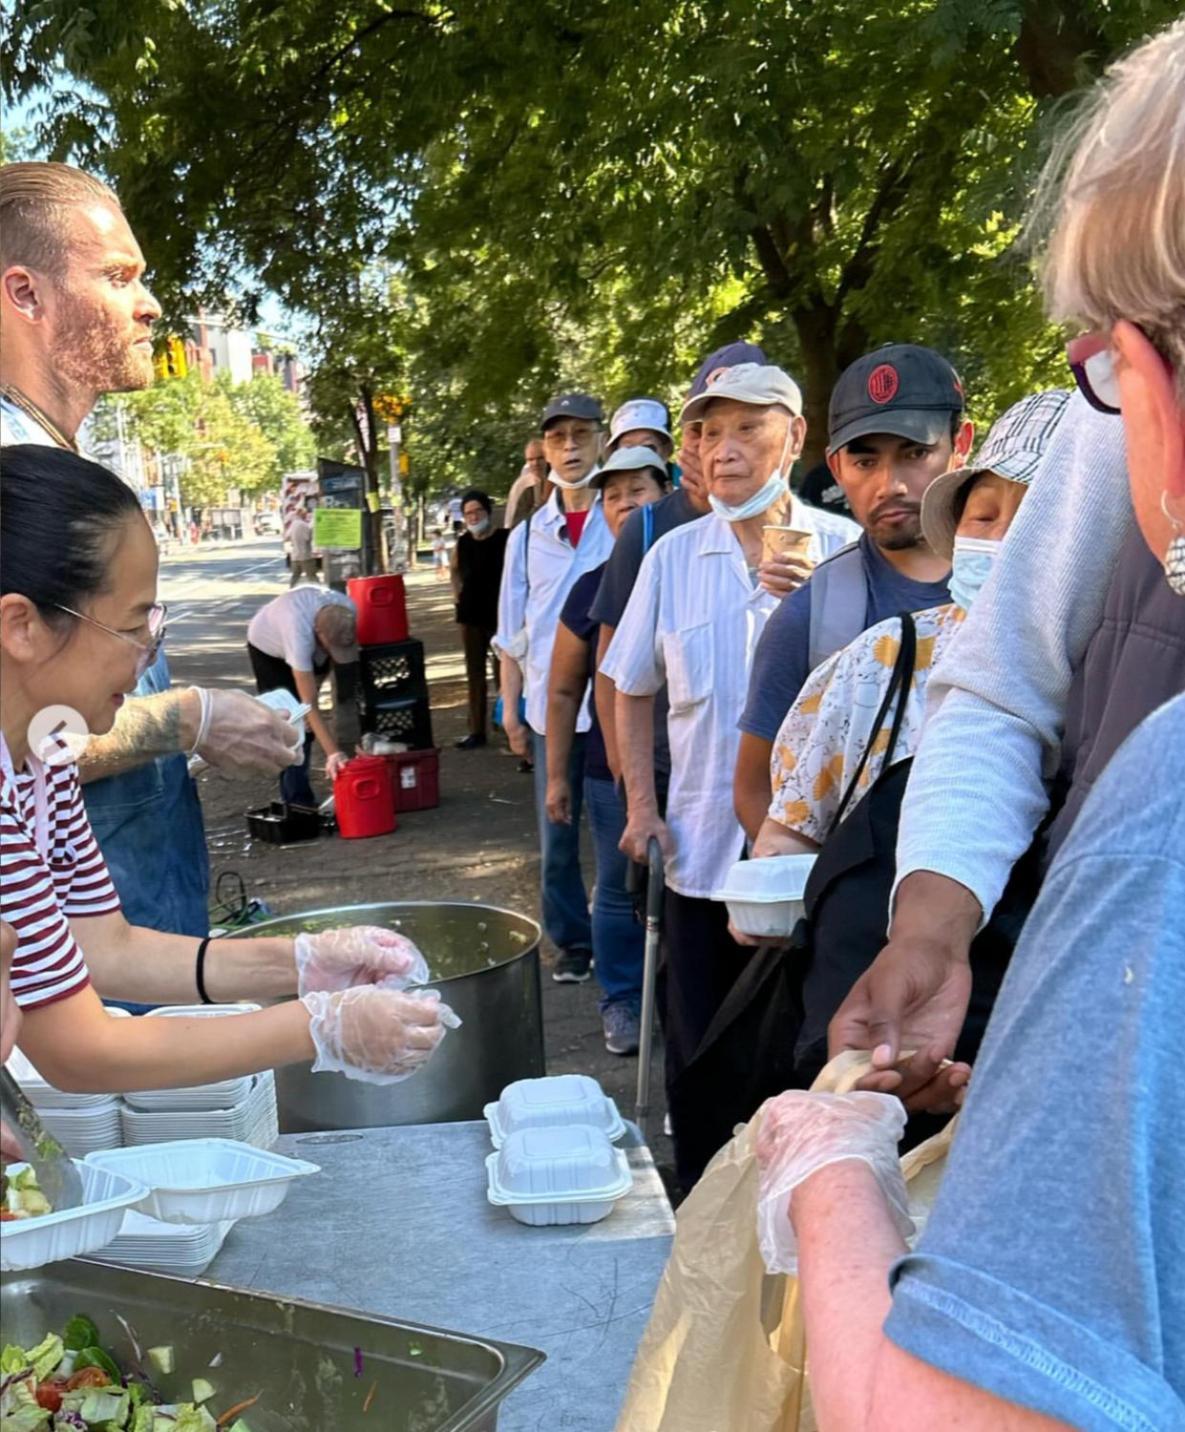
485,962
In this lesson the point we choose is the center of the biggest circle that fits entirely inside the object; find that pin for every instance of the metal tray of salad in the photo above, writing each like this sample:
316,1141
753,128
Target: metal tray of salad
87,1346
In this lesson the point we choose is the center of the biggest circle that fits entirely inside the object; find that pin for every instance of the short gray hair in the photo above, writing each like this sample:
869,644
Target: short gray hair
1116,189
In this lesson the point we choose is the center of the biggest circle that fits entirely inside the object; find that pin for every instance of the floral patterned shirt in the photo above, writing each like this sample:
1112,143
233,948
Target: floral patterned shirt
823,737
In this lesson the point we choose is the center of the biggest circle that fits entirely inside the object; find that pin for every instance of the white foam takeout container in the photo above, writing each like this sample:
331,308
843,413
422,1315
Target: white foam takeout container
205,1180
32,1242
764,896
221,1095
558,1175
558,1101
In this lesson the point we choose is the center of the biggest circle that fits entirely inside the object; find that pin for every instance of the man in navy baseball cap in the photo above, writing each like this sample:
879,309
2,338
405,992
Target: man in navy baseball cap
896,423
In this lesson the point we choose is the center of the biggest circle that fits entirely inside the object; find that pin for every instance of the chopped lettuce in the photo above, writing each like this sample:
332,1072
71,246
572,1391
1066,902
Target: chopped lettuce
23,1196
19,1411
162,1359
184,1417
98,1404
44,1358
12,1359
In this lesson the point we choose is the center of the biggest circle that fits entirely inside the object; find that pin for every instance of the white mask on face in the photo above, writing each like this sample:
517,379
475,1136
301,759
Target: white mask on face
767,494
559,481
478,528
971,566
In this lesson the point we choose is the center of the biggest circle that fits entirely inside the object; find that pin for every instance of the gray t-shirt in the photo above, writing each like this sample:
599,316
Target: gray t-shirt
1052,1271
621,572
781,662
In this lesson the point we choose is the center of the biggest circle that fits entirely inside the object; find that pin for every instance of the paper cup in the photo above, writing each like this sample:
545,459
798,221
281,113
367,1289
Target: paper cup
785,542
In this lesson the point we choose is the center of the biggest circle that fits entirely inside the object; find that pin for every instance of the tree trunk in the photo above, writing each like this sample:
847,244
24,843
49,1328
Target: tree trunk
816,327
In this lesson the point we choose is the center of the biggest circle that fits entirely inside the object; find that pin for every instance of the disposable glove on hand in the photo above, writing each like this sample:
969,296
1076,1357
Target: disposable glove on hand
801,1133
335,764
244,734
378,1036
359,955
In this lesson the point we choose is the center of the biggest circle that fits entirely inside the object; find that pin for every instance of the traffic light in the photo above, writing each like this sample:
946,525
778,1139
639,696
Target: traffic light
169,360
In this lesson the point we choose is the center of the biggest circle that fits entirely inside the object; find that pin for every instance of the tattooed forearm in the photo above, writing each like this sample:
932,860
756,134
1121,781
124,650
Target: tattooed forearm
145,728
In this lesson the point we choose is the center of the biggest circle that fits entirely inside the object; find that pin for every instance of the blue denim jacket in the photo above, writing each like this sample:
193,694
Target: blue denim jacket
148,823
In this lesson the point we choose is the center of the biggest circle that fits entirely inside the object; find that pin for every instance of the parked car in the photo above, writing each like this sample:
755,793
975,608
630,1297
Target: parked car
267,524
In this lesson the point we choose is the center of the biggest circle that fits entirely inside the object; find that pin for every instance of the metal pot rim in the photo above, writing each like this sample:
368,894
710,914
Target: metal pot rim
265,927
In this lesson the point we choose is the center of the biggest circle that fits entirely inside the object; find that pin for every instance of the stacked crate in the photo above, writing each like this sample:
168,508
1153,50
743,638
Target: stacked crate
393,706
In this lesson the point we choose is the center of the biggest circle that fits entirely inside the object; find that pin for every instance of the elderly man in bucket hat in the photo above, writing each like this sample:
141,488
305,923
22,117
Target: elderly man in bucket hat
699,604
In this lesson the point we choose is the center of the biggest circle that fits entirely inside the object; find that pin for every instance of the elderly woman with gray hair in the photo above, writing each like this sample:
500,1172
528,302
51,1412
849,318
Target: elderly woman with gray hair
1048,1289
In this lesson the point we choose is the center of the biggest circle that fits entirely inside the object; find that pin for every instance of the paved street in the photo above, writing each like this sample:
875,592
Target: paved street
479,845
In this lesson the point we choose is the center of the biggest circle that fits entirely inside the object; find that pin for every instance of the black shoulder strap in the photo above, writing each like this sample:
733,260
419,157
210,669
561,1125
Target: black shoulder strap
899,682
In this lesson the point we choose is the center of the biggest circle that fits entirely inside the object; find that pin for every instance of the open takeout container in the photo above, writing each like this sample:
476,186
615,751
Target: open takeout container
205,1180
32,1242
764,896
301,1358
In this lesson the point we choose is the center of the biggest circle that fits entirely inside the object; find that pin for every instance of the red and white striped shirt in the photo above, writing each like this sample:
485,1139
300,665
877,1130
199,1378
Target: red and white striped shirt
40,892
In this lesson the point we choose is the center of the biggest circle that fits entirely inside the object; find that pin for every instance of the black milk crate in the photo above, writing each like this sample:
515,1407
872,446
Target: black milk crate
407,719
393,670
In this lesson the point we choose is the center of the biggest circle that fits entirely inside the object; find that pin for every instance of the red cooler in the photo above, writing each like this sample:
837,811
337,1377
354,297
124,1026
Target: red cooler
364,798
382,609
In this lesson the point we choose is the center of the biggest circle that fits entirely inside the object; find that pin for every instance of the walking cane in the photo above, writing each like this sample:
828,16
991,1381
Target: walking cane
655,887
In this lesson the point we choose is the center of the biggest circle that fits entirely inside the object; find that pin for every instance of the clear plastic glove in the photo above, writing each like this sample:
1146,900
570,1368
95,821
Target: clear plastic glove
243,734
335,765
359,955
800,1134
378,1036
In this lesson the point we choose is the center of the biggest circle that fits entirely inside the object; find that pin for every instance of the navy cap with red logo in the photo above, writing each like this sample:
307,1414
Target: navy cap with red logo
902,389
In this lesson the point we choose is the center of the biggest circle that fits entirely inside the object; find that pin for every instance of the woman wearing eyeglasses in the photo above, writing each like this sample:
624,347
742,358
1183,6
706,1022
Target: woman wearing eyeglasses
79,623
1047,1290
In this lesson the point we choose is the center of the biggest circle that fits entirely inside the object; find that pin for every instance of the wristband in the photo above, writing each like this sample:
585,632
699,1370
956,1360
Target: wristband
199,971
206,701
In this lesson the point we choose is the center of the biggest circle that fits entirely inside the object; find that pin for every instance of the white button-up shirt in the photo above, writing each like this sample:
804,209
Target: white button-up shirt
529,602
693,622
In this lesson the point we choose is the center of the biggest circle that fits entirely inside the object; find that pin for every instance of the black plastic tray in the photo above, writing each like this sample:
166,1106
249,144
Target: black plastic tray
282,824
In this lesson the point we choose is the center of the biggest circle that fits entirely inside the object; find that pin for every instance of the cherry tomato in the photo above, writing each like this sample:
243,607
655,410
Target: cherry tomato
49,1395
7,1216
88,1377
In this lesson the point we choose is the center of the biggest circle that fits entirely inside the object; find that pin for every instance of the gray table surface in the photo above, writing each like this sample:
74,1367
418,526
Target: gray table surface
398,1224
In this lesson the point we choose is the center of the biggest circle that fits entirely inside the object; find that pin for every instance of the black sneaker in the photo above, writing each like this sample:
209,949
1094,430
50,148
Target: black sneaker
470,743
572,967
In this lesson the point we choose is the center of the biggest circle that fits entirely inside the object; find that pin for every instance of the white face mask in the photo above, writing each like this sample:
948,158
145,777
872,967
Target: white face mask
767,494
554,476
971,566
479,527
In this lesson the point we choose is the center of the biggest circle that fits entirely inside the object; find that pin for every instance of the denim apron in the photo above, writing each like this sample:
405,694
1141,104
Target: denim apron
148,823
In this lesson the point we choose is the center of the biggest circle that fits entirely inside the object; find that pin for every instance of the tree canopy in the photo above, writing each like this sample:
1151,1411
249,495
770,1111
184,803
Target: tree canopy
482,201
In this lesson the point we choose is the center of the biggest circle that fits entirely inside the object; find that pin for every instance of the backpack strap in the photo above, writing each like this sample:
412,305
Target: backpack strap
647,528
839,602
899,684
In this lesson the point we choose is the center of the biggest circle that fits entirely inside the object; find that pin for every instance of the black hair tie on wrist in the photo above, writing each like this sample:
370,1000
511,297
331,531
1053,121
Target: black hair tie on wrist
200,971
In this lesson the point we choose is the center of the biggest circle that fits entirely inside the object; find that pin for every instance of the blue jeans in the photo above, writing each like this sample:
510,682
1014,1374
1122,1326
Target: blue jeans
617,937
294,780
564,898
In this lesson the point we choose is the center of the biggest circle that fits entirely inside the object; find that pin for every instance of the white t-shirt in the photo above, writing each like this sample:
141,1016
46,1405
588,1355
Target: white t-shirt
284,627
16,426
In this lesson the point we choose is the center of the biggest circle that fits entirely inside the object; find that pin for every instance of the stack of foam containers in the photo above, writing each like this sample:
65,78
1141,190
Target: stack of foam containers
554,1159
82,1123
244,1109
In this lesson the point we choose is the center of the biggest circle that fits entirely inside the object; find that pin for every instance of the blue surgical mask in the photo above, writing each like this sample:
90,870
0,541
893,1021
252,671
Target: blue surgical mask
774,487
971,566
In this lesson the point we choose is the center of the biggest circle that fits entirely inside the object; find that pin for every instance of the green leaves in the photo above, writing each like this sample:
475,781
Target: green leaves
488,200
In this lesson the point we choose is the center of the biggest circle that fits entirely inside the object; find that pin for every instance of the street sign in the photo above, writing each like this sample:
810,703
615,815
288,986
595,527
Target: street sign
337,529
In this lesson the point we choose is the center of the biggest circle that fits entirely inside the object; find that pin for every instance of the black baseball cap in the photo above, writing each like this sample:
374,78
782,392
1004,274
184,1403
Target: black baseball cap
572,405
902,388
